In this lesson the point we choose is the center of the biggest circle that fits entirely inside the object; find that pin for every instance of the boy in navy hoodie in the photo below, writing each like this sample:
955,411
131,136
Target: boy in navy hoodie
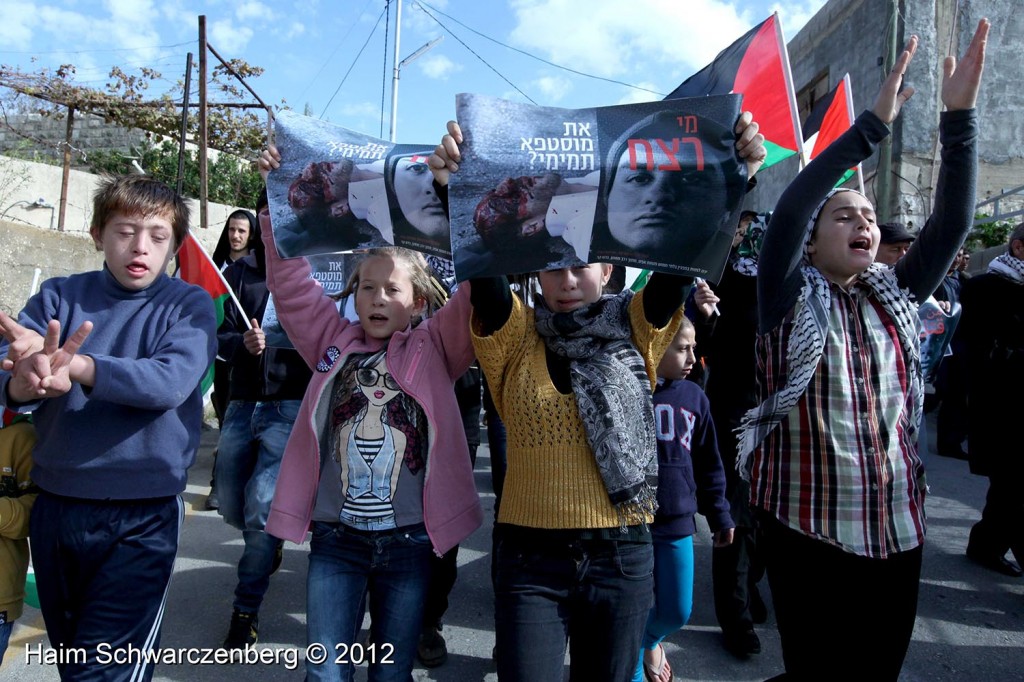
118,410
691,479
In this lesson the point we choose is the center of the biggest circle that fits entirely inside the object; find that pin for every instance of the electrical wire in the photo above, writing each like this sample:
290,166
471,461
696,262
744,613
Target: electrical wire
335,51
423,6
106,49
461,42
338,89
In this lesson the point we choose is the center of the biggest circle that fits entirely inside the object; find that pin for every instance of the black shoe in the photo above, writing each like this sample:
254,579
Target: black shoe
758,610
278,558
212,501
432,650
244,630
998,564
741,643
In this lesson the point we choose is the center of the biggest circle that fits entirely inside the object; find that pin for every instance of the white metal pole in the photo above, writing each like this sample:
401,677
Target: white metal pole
396,67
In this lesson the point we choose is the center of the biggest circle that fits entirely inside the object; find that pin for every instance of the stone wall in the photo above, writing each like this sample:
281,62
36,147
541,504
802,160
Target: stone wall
851,36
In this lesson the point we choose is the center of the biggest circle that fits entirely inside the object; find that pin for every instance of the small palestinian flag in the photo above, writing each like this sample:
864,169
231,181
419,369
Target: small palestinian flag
831,116
196,267
757,67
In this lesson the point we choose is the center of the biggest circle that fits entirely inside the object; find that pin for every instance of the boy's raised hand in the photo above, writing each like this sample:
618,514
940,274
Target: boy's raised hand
960,82
446,157
47,373
890,97
23,341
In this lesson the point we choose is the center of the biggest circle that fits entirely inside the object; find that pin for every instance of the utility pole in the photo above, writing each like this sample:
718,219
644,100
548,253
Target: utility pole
203,134
884,174
396,66
184,124
65,172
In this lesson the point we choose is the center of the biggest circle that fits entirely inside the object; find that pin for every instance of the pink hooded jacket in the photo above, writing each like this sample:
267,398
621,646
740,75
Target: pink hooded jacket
425,360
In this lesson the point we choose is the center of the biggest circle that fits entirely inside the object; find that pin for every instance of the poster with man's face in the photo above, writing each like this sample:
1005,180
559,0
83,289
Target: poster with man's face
339,191
655,185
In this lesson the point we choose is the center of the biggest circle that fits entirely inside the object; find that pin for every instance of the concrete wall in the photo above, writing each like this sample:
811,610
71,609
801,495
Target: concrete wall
851,36
29,240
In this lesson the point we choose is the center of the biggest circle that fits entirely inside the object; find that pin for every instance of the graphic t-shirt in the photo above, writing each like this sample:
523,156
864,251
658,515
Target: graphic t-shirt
375,455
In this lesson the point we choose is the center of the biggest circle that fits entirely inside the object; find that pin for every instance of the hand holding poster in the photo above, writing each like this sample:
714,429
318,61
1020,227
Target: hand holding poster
338,190
654,185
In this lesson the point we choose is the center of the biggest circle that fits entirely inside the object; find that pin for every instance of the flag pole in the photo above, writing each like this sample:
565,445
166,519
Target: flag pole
849,111
227,286
787,73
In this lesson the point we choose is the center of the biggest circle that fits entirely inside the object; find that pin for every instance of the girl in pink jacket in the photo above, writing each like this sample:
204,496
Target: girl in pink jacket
377,465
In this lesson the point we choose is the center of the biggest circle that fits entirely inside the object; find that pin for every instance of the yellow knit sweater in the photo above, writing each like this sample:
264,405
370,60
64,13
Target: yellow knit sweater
16,442
552,479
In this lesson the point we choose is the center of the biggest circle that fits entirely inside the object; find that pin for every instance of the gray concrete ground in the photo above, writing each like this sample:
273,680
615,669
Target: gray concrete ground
970,623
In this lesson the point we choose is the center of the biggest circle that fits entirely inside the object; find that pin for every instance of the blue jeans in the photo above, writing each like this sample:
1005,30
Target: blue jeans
393,568
249,455
594,594
5,638
673,593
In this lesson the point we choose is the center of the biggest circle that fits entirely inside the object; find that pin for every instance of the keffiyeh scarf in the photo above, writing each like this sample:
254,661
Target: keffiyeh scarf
806,345
1009,267
613,394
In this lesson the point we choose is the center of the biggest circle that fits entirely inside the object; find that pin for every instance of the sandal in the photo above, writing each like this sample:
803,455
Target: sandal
661,672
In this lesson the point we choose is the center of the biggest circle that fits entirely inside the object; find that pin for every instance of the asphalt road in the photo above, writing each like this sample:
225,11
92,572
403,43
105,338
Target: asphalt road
970,623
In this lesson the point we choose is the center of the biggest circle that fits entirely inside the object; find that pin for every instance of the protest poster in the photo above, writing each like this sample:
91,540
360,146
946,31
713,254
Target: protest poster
656,185
338,191
936,332
332,271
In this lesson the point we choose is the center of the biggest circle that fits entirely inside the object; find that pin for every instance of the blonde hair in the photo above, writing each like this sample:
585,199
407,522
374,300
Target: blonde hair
419,275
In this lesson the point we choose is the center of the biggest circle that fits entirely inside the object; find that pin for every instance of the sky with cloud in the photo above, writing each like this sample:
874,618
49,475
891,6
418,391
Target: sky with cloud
308,46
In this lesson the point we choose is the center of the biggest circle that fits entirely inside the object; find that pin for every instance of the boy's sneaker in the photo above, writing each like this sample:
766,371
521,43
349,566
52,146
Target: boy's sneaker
432,650
244,630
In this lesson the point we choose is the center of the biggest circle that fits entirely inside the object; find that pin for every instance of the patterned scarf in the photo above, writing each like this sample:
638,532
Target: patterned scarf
1009,267
744,257
806,345
613,393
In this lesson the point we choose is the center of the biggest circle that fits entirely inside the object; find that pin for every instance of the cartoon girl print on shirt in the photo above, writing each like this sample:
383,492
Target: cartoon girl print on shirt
375,435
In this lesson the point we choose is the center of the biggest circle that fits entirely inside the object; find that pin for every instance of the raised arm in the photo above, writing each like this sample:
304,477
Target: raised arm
929,257
778,269
310,318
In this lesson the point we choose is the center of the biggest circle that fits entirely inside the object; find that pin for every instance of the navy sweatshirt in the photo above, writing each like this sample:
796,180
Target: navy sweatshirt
135,433
691,478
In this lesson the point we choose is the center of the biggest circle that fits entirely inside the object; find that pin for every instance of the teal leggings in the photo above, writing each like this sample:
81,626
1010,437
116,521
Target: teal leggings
673,594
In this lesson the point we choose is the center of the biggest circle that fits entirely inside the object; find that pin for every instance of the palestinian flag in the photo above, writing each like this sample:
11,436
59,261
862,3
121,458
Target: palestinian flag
196,267
831,116
8,417
756,66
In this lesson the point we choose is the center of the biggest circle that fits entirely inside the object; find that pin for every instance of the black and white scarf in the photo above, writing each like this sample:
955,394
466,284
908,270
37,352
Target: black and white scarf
806,346
613,393
1009,267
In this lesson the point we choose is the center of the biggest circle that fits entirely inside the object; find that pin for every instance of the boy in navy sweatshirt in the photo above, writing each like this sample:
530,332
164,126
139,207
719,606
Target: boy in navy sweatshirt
691,479
118,410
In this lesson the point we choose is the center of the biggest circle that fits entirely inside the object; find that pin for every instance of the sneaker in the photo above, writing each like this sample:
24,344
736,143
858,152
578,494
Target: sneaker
432,650
244,630
741,643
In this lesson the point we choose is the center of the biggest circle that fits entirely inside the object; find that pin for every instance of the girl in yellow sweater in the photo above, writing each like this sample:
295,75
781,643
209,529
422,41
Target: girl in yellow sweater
572,380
